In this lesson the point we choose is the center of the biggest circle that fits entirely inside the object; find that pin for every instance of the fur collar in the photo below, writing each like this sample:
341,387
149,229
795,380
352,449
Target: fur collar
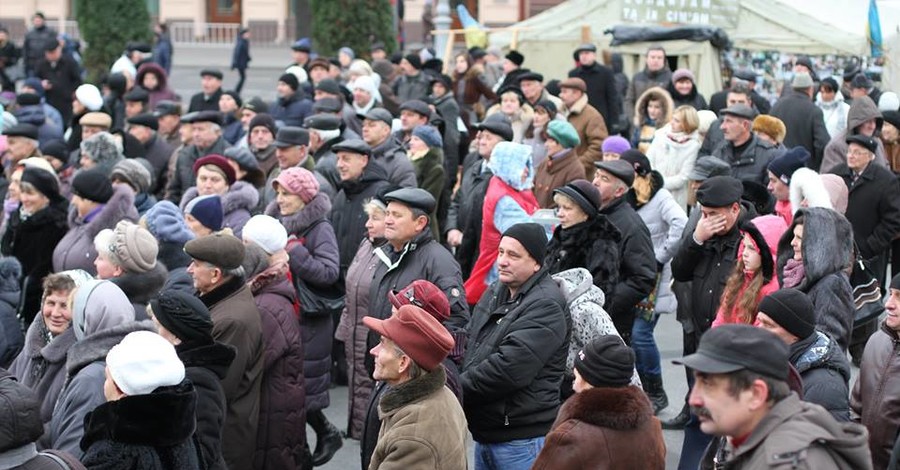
807,184
621,408
579,106
36,343
94,348
316,210
119,207
412,391
241,195
222,292
141,287
217,357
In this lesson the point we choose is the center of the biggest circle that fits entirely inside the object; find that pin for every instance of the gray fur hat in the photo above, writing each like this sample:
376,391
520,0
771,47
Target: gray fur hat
104,149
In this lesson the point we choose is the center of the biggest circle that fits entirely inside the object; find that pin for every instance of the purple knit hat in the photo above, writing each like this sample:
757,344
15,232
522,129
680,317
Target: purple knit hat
299,181
615,144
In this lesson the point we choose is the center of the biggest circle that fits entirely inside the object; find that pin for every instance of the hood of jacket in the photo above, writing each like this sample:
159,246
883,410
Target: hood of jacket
117,84
824,352
822,255
217,357
765,231
578,284
617,408
31,114
155,69
241,195
10,272
656,94
837,101
21,422
96,346
99,305
807,184
861,110
507,162
317,209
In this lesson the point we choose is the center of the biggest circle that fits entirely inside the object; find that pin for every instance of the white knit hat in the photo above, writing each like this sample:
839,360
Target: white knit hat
89,96
889,101
267,232
143,362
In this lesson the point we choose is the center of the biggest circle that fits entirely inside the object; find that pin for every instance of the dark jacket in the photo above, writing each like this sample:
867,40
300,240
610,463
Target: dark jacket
431,175
347,215
32,242
637,270
875,400
825,259
593,244
805,125
281,437
511,387
752,164
291,110
391,155
411,88
236,323
200,102
65,77
465,212
36,42
825,372
314,258
41,366
36,116
873,208
114,103
240,56
150,432
601,92
608,428
11,339
205,365
158,153
448,108
693,99
183,177
141,287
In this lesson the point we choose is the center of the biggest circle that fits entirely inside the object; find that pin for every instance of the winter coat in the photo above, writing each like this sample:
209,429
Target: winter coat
41,364
673,155
641,82
601,90
83,388
555,172
392,157
353,334
431,176
162,90
519,121
591,128
64,77
637,267
308,163
326,162
183,176
470,89
873,208
411,87
693,99
76,249
423,426
466,208
797,435
592,244
36,42
644,127
240,56
162,51
511,388
152,431
665,219
875,399
835,113
449,110
201,102
861,110
281,435
291,110
313,249
805,124
237,204
347,215
825,372
11,339
751,165
158,153
236,322
35,115
140,288
825,259
32,241
608,428
205,365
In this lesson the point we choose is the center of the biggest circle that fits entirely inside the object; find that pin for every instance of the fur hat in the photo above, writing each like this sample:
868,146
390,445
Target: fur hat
770,126
133,172
807,185
104,149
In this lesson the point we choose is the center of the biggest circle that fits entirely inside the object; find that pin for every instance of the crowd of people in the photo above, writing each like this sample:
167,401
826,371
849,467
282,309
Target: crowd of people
484,253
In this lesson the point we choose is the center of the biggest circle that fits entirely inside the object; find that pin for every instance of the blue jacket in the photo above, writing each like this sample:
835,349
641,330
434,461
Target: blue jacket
291,110
240,56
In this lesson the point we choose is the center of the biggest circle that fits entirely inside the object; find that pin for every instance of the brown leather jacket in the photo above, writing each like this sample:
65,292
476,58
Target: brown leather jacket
875,400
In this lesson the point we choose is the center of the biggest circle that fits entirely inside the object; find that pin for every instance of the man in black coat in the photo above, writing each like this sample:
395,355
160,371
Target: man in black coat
803,120
211,91
36,41
601,88
60,76
144,127
748,155
638,269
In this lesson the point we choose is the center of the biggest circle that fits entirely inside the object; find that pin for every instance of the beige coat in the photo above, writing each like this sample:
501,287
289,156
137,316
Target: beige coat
591,130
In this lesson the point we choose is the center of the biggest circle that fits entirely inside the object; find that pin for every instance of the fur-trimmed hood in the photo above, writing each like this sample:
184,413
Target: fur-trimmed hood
317,209
620,408
765,230
240,195
119,207
654,93
807,184
827,245
95,347
155,69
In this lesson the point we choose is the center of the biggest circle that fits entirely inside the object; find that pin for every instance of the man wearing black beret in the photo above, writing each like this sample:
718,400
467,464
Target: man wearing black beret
136,102
291,107
211,91
413,113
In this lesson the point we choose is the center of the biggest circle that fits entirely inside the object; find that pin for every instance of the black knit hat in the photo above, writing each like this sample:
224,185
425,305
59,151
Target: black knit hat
92,185
532,237
792,310
414,60
290,80
184,315
605,362
265,120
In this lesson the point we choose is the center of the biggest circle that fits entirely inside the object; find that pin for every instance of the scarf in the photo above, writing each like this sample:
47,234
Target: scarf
794,272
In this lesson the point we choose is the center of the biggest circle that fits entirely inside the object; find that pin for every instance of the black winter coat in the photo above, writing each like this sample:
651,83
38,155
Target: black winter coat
183,177
752,164
465,210
805,125
148,432
347,215
593,245
825,372
873,208
140,288
515,360
203,103
601,91
205,365
291,110
65,77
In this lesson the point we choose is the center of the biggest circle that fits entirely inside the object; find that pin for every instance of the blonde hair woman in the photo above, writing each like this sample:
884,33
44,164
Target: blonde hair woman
674,150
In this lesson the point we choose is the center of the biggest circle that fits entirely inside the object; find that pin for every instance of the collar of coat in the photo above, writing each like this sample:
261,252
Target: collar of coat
421,239
412,391
618,408
221,292
579,105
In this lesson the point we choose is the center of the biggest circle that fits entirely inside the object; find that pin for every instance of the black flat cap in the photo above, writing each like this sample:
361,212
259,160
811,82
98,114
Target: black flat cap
22,130
416,106
322,122
720,191
353,146
329,85
730,348
328,105
289,136
380,114
620,169
189,117
413,197
746,75
137,94
211,73
256,104
708,166
377,46
740,110
586,47
499,127
144,119
214,117
869,143
167,108
533,76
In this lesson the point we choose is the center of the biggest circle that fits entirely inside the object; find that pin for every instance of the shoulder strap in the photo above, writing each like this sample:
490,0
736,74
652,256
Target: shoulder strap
59,459
311,226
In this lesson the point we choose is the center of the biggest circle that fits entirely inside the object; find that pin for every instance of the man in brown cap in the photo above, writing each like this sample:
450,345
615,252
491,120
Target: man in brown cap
219,280
417,406
586,120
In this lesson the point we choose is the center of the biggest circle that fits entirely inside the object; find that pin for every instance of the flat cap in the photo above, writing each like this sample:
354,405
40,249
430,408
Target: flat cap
740,110
869,143
216,73
330,86
22,130
214,117
499,126
353,146
380,114
137,94
144,119
720,191
322,122
302,45
167,108
328,104
532,76
708,166
222,250
289,136
416,106
96,119
730,348
574,83
620,169
587,47
746,75
413,197
256,104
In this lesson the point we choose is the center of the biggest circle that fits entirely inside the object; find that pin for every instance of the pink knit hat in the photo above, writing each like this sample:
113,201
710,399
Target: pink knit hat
299,181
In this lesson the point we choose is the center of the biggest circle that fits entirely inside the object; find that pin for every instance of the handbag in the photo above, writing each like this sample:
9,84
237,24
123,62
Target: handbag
317,301
866,292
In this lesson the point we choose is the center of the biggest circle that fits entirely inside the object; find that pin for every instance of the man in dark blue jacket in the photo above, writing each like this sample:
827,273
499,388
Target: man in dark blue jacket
291,107
240,57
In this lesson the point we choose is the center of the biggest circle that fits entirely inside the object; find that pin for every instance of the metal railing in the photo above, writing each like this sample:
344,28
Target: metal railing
186,32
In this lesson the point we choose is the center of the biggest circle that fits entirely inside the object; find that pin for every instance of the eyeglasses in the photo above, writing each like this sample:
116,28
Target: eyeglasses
858,153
